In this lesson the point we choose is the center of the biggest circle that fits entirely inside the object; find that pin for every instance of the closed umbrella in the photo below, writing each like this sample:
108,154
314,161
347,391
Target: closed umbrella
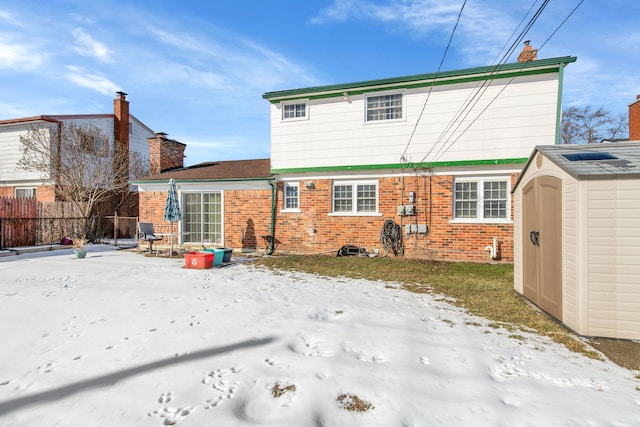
172,209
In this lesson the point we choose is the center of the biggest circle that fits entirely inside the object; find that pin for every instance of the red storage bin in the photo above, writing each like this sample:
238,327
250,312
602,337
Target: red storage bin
198,260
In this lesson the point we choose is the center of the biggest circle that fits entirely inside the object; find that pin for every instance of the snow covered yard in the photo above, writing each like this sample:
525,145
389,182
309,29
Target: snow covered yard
122,339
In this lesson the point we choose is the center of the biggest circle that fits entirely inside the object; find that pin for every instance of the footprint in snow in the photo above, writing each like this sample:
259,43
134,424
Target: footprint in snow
424,360
309,346
165,397
173,416
225,388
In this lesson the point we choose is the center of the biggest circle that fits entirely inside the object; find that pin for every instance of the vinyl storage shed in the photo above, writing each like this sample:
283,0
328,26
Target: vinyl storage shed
577,236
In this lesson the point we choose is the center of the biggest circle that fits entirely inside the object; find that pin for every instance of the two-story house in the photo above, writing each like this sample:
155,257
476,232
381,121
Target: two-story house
123,127
426,162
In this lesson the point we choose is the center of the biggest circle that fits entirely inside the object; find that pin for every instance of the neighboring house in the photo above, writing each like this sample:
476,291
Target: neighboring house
226,203
577,254
123,127
437,154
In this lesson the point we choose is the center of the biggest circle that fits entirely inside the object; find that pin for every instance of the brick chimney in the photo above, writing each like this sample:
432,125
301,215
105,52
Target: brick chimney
528,53
634,120
165,153
121,125
121,119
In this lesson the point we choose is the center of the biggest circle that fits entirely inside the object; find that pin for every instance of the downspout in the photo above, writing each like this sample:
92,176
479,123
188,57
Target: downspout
273,217
559,106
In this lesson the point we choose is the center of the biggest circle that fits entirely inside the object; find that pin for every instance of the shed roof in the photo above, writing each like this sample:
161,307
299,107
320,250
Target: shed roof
215,171
593,161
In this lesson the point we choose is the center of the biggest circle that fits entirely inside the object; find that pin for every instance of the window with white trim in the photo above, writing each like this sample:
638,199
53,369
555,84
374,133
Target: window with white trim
295,110
25,192
485,199
202,217
384,107
291,196
352,197
91,143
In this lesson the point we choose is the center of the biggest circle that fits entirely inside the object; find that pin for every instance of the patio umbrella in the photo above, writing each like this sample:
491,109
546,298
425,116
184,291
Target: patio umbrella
172,209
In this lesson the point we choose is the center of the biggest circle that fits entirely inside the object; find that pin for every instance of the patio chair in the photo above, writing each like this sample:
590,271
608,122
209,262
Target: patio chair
147,234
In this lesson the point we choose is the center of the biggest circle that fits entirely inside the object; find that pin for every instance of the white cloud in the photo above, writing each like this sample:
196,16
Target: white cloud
88,46
9,18
482,31
95,81
19,56
186,74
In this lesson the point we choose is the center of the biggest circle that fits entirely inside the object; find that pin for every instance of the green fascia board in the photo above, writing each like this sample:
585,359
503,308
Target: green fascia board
423,165
517,69
195,180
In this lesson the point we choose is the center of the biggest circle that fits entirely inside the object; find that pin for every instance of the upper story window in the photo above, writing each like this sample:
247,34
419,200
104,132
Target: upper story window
355,197
485,199
384,107
25,193
297,110
291,196
91,143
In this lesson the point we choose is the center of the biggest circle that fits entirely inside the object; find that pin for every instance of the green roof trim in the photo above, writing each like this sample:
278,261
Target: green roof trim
515,161
517,69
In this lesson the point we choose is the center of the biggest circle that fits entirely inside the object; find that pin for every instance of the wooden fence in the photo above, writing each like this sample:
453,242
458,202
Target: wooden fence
27,222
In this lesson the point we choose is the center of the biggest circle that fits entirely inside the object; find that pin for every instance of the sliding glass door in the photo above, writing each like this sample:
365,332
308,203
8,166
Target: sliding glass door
203,218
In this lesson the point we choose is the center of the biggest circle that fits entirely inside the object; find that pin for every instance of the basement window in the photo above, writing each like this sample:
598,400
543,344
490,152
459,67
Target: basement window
591,155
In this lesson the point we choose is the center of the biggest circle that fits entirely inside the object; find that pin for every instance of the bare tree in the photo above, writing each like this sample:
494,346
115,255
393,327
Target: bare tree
86,166
584,125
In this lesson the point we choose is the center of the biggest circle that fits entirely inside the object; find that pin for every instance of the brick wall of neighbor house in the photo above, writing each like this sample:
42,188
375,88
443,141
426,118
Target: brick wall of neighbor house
634,120
164,153
44,193
314,231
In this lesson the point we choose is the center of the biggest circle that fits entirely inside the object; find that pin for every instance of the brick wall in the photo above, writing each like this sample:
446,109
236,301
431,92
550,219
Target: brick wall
314,231
44,193
164,153
247,216
634,120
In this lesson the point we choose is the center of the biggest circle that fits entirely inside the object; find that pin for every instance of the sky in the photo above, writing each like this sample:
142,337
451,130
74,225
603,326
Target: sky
197,70
120,339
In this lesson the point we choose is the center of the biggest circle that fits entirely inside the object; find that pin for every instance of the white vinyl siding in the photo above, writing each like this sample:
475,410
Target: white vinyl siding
481,199
522,116
352,197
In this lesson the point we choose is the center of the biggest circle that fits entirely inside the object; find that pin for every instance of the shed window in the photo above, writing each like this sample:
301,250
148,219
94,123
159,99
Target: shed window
592,155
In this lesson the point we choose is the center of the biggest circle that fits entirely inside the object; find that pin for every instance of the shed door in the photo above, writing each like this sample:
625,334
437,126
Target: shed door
542,252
